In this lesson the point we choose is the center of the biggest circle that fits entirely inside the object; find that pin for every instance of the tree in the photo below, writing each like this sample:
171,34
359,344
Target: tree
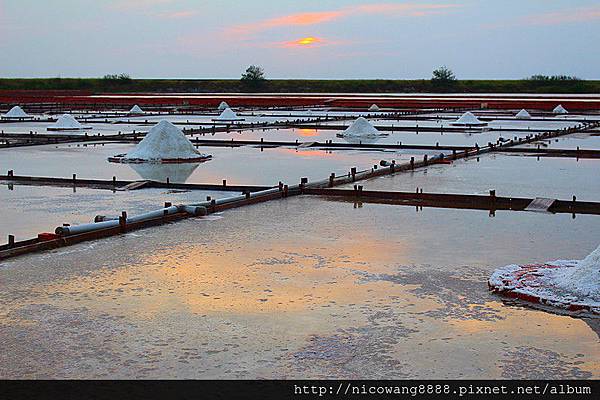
546,78
254,77
443,75
121,78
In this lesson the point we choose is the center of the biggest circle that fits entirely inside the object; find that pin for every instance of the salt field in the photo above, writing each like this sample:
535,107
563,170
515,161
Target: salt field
294,296
283,269
289,200
508,174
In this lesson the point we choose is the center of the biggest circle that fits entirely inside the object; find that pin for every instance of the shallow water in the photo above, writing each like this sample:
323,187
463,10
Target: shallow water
269,165
510,175
586,141
297,288
29,210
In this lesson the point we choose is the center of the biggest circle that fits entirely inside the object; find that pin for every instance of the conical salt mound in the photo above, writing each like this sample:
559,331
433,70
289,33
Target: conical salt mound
136,110
560,110
228,115
468,119
66,122
16,112
361,127
164,141
584,278
374,107
223,106
523,114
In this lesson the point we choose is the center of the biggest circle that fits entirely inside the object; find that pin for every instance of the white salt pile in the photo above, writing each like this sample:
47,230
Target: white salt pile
374,107
361,128
164,142
228,115
523,114
223,106
559,109
16,112
468,119
584,278
136,110
573,285
66,122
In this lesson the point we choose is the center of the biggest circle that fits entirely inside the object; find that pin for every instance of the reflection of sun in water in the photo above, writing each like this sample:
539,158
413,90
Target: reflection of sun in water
307,132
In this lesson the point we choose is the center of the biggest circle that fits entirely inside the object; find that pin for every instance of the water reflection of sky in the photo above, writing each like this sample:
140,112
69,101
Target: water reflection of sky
273,291
509,175
175,173
244,165
28,210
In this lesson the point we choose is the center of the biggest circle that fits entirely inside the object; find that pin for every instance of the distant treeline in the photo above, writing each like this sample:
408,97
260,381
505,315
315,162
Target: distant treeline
123,83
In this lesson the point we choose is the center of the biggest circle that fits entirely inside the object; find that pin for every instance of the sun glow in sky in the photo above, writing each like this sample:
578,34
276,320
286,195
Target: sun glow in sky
307,40
349,39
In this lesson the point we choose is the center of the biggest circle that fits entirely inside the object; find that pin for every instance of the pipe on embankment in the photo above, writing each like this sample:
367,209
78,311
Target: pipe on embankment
199,209
105,223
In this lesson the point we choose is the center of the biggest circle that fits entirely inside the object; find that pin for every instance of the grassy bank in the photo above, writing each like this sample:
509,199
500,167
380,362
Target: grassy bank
297,85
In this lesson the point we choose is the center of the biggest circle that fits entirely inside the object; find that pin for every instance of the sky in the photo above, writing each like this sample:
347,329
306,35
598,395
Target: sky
308,39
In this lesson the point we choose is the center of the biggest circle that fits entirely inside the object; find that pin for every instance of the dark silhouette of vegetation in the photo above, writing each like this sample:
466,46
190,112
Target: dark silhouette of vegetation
121,78
254,78
100,85
443,79
443,75
553,78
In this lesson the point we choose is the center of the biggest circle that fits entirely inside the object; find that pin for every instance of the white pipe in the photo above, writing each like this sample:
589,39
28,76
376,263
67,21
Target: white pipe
194,209
84,228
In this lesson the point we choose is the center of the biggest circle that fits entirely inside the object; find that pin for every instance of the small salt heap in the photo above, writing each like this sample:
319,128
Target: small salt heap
136,110
584,278
374,107
66,122
164,141
468,119
559,109
523,114
228,115
223,106
16,113
361,128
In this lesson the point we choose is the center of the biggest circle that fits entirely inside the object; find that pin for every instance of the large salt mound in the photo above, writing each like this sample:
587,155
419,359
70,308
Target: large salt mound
523,114
361,127
223,106
66,122
228,115
164,141
559,109
16,112
468,119
136,110
584,278
374,107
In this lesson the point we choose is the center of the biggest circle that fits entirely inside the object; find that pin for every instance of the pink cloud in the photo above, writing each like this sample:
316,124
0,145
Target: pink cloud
409,9
309,18
583,14
320,17
177,14
126,5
